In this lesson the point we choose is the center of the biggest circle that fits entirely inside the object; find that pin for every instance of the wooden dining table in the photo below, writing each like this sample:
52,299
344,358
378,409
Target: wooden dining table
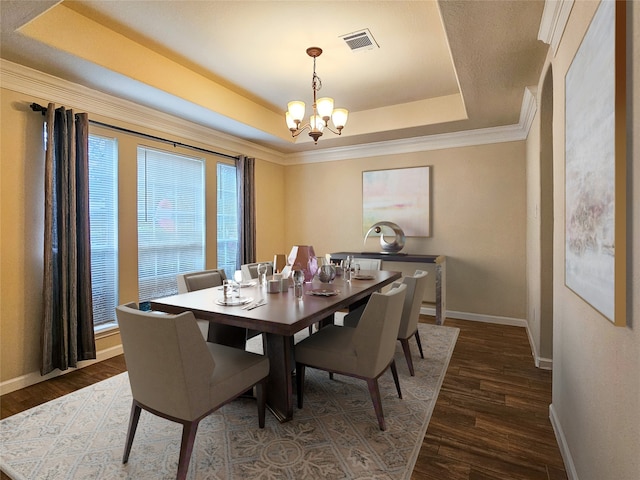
280,319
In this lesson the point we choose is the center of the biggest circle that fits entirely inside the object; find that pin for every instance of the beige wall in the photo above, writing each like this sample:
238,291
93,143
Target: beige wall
272,195
533,233
22,182
596,366
478,212
540,224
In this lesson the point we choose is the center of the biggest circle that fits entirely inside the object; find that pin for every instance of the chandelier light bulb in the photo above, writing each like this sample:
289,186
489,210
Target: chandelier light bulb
317,123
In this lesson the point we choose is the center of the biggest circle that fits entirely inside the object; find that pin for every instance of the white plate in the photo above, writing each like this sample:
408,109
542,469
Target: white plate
234,302
251,283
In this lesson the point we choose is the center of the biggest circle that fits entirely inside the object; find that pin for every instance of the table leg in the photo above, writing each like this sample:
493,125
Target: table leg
280,385
227,335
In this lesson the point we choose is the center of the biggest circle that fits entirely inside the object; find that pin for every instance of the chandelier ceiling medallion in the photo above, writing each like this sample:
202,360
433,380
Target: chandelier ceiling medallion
323,110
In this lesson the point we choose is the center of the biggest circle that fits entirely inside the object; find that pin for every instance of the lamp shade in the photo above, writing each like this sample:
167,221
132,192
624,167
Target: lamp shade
325,107
339,117
296,110
291,124
304,258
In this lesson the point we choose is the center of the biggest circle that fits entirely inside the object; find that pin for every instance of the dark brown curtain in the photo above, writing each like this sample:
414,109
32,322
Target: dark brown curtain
67,322
245,173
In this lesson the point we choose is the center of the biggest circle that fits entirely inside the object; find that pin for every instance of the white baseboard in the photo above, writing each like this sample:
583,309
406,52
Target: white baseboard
569,466
540,362
477,317
32,378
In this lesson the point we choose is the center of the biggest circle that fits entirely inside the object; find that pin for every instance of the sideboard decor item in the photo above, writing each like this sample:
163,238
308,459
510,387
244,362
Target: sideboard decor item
398,242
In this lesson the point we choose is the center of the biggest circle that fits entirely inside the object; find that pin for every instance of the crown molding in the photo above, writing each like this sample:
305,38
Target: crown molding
33,82
554,20
528,109
467,138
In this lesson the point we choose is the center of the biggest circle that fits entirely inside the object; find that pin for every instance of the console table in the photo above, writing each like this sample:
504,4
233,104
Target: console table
438,261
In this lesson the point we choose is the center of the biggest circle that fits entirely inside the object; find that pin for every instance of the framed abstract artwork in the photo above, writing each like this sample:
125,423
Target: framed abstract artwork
595,166
401,196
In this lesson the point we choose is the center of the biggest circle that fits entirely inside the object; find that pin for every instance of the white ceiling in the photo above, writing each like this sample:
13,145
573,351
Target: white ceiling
233,65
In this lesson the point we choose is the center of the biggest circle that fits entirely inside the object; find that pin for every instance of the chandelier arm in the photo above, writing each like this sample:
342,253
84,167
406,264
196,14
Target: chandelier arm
300,129
339,132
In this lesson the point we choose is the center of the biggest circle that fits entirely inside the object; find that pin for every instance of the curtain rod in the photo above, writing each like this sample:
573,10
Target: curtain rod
39,108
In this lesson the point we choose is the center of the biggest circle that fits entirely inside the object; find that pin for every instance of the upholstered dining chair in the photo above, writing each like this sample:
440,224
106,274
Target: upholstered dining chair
213,332
416,286
368,263
250,270
364,352
176,375
188,282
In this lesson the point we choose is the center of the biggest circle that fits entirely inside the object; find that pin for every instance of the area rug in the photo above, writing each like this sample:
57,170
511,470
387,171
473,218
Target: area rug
335,435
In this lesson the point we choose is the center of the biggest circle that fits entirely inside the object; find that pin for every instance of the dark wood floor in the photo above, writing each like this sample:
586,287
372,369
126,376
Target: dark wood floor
491,420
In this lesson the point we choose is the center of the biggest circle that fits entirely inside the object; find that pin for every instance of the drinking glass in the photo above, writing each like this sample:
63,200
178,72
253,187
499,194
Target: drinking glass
298,283
355,267
346,265
262,274
230,290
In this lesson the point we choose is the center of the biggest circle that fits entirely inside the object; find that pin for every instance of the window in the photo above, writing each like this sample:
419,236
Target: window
171,226
103,212
228,241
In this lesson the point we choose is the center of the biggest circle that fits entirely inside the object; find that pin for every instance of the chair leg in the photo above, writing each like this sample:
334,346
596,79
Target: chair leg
260,397
407,354
300,382
374,391
189,430
133,425
394,372
417,335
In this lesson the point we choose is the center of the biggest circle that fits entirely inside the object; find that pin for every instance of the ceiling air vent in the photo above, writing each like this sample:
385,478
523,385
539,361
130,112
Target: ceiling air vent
361,40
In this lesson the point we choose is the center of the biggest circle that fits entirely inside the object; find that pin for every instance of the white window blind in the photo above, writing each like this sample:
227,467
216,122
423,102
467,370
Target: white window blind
171,222
103,212
228,241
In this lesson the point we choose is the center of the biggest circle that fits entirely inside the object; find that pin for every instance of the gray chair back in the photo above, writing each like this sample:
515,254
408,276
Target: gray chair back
168,362
416,287
377,331
189,282
250,270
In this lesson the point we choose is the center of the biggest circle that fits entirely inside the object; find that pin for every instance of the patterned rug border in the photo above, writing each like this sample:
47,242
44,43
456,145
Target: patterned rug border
335,436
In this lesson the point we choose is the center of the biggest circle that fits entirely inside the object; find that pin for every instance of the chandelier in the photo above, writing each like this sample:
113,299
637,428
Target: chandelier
323,110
